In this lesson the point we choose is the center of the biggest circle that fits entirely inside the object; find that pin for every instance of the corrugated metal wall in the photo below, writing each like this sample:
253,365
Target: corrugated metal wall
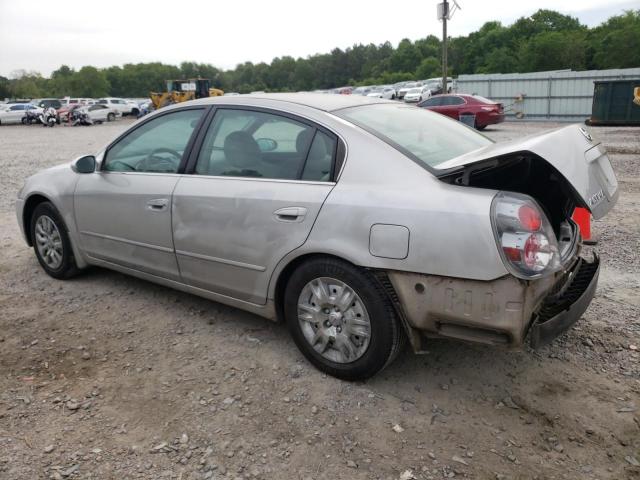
560,95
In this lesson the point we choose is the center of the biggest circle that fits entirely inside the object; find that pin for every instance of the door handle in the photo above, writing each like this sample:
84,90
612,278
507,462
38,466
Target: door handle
290,214
157,204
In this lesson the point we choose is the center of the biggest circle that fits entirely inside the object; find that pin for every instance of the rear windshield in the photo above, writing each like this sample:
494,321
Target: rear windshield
483,99
427,137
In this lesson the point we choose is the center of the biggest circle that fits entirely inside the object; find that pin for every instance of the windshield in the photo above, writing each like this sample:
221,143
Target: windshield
427,137
376,89
410,85
415,90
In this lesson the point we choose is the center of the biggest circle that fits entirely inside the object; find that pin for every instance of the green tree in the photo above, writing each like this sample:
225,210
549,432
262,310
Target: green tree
554,51
616,43
429,67
90,82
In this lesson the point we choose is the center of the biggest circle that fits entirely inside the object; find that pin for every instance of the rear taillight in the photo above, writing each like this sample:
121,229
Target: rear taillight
526,241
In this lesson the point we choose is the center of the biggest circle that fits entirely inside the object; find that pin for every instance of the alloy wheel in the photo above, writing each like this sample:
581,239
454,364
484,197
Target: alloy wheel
49,242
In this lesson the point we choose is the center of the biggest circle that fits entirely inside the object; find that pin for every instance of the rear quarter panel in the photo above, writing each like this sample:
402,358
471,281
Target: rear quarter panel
450,228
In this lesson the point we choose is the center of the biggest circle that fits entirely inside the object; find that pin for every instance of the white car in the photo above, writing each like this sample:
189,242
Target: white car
407,86
120,106
15,112
364,91
72,101
385,91
99,113
418,94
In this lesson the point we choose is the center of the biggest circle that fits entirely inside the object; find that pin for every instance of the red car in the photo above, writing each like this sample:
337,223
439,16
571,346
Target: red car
454,105
65,111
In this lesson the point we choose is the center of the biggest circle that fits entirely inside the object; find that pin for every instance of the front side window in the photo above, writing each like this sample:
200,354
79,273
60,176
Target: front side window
156,146
432,102
425,136
243,143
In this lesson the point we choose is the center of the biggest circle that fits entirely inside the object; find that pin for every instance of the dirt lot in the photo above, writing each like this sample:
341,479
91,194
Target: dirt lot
109,377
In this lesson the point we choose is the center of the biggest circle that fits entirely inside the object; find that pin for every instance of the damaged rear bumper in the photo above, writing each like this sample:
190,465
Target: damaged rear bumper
506,311
559,312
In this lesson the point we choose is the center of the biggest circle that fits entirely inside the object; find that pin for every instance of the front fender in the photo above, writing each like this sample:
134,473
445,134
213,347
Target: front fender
56,185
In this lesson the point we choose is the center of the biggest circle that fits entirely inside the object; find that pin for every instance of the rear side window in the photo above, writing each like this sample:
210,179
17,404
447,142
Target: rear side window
320,158
453,101
244,143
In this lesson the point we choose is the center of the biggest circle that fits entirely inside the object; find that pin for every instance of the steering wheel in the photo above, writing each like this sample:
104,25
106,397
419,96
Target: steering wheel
154,163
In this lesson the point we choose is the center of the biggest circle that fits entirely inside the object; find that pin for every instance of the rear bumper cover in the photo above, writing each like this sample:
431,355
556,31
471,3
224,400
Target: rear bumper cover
506,311
559,312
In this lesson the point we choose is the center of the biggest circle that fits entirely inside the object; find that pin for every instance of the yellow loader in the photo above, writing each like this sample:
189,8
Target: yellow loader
182,90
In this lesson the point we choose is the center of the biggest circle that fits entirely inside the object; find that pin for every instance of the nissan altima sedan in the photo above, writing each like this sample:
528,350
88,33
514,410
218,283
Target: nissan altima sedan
362,223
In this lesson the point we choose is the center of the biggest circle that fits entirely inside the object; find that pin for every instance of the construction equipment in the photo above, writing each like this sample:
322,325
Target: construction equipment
183,90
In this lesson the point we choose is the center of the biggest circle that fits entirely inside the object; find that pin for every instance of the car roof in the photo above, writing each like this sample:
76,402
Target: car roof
327,102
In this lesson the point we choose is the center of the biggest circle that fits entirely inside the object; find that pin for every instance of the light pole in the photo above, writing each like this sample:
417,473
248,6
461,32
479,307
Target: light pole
444,14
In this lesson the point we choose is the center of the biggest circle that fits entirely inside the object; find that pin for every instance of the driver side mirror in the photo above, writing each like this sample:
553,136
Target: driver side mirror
86,164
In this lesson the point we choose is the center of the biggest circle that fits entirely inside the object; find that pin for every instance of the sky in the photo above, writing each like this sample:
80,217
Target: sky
41,35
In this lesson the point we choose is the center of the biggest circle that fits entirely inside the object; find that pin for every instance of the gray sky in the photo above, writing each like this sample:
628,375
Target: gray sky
41,35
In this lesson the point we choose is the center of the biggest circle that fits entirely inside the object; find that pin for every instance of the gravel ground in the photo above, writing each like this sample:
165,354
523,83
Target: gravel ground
110,377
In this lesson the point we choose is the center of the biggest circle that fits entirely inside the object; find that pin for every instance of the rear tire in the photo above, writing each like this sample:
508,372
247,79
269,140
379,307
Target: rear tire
372,336
111,117
481,127
49,234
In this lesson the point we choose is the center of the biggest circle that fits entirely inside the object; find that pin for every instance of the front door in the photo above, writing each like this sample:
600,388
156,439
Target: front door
123,211
256,189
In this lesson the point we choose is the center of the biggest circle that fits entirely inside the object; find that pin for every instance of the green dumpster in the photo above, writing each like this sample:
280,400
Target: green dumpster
616,102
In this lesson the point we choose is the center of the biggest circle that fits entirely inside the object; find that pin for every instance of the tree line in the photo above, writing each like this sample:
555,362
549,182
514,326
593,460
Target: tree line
546,40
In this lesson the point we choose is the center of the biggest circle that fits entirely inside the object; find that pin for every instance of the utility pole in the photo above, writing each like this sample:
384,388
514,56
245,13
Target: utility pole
445,15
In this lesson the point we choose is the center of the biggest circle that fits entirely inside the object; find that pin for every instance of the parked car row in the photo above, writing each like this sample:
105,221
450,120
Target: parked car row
409,91
98,110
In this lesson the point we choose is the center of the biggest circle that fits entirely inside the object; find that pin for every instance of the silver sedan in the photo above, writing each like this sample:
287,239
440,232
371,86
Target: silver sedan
362,223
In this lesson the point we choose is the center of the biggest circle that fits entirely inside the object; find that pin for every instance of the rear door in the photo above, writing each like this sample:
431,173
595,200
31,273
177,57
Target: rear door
257,185
451,106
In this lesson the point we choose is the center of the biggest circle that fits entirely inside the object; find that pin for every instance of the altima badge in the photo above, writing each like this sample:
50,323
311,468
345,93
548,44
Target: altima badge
586,134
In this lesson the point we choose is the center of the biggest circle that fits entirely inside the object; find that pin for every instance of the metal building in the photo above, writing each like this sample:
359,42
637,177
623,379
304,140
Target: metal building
559,95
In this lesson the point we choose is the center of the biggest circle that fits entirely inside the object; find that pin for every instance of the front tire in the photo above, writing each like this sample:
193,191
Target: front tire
111,117
341,319
51,242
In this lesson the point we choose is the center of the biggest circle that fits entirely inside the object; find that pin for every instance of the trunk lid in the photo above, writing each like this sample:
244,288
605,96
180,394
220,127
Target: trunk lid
582,161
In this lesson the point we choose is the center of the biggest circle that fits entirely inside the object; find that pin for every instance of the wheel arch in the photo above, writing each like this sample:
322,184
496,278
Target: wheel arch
30,205
285,272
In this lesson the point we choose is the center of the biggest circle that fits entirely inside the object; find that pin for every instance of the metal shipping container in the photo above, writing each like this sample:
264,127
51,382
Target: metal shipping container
616,102
559,95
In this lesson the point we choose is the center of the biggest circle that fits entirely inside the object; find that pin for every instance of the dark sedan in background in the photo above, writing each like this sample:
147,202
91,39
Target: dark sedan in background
486,111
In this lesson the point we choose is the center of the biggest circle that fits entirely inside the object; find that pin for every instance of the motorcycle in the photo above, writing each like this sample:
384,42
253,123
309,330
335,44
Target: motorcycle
80,117
48,117
30,117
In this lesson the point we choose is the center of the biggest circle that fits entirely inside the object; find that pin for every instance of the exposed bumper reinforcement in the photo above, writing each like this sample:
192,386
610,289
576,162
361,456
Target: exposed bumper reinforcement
558,313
